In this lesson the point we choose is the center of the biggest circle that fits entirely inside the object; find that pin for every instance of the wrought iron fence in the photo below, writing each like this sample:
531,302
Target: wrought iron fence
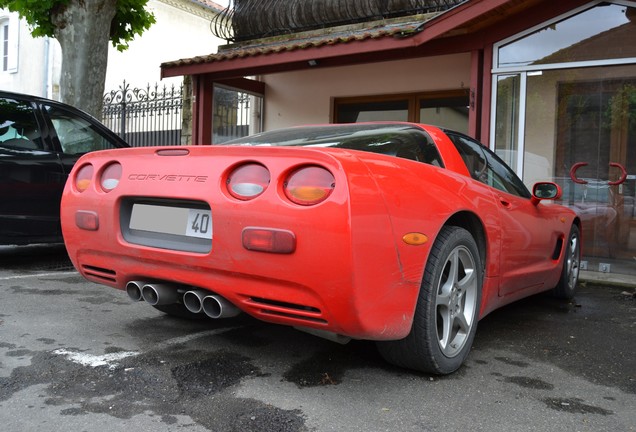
235,114
145,117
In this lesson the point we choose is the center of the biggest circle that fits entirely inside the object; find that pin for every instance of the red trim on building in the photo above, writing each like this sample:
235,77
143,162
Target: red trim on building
472,27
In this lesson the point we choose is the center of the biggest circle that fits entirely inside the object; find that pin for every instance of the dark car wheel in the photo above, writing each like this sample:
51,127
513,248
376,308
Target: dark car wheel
447,309
566,287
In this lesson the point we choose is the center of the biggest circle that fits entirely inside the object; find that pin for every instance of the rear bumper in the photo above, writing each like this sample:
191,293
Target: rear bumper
330,302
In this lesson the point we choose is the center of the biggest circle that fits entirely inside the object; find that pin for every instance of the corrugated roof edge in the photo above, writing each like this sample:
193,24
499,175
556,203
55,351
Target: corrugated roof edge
397,27
210,4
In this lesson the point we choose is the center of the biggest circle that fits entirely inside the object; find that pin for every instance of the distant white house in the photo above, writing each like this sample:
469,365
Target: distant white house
182,30
32,65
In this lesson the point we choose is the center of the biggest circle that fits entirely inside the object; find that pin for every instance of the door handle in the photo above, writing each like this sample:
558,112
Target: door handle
573,176
623,176
578,165
504,202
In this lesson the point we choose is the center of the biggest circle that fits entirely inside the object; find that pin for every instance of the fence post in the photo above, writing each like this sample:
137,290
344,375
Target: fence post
122,128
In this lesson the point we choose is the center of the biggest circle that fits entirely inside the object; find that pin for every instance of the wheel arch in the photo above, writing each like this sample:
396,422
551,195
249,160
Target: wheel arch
473,224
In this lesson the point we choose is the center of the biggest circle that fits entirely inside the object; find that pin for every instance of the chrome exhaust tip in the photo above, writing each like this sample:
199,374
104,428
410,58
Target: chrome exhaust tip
193,300
157,294
133,289
216,307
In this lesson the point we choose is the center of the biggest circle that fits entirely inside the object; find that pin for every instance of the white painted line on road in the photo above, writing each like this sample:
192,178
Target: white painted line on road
95,361
37,275
111,360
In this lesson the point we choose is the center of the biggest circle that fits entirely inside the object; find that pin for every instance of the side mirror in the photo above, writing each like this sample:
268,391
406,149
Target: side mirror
545,190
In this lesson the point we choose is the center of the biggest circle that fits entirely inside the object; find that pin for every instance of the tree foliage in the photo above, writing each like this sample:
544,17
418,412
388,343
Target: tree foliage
131,18
83,29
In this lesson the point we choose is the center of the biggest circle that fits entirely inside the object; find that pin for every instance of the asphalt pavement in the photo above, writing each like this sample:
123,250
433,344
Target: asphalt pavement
78,356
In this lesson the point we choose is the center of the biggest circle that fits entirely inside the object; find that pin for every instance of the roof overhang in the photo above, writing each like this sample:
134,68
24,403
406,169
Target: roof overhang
365,46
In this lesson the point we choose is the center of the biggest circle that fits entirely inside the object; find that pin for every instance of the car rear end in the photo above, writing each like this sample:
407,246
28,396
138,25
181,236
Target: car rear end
275,232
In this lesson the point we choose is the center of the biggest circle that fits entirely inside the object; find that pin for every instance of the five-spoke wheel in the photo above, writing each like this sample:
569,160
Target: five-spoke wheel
447,309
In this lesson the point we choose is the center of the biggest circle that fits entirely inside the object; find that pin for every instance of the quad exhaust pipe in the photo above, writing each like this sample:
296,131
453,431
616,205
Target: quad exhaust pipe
212,305
196,301
133,289
157,294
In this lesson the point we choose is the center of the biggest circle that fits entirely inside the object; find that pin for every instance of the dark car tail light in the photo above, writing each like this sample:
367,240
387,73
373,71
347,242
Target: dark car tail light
269,240
248,181
110,176
84,177
309,185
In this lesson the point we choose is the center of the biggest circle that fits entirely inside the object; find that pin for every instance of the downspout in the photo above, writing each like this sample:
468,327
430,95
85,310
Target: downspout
47,74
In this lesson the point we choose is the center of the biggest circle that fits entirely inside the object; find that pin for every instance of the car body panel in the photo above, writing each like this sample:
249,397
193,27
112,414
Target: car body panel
351,273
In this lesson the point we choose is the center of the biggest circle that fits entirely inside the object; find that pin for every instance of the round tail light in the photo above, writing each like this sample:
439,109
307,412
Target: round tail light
248,181
111,176
309,185
83,177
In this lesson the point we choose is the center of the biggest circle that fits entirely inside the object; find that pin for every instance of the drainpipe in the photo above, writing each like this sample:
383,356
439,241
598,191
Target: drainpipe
46,79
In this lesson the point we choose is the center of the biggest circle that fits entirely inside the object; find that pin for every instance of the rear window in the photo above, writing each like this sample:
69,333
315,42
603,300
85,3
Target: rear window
397,140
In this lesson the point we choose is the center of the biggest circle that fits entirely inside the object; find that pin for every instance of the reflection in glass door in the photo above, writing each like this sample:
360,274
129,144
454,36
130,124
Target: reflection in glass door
596,160
579,130
565,110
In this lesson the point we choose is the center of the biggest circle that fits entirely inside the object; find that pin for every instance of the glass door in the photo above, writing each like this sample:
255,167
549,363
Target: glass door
564,105
596,162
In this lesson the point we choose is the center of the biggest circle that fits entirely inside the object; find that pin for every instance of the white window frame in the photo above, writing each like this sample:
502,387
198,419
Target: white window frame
529,70
9,47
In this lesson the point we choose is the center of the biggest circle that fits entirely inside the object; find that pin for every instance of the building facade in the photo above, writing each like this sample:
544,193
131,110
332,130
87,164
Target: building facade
550,86
33,65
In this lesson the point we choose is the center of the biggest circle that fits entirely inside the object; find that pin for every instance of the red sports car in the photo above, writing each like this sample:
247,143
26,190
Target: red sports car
401,233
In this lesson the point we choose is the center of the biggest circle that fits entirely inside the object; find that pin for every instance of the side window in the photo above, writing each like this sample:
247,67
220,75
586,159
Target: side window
76,135
504,178
18,126
473,155
486,167
418,146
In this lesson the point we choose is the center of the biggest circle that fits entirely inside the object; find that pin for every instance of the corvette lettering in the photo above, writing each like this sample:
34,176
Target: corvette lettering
168,177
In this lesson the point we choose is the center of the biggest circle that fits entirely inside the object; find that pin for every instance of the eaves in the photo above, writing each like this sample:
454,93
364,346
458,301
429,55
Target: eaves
332,46
201,8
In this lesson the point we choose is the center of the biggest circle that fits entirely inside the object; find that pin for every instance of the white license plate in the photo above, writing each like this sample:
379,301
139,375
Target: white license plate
172,220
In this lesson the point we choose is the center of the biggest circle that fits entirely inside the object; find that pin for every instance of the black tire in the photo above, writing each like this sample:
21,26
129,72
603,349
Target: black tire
566,288
447,310
180,311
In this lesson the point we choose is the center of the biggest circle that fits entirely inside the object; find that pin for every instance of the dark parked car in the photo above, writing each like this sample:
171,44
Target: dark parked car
40,141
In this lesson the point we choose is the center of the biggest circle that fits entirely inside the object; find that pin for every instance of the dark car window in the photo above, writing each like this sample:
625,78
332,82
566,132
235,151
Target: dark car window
487,167
76,135
398,140
18,126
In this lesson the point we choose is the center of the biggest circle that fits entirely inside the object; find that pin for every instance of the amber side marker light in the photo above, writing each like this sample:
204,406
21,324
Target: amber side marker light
84,177
415,239
269,240
87,220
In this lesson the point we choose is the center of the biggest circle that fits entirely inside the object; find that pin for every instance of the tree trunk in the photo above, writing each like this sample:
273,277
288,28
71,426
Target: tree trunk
83,31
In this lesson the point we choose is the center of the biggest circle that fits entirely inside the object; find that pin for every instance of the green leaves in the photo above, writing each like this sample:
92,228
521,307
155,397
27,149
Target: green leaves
131,18
37,13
